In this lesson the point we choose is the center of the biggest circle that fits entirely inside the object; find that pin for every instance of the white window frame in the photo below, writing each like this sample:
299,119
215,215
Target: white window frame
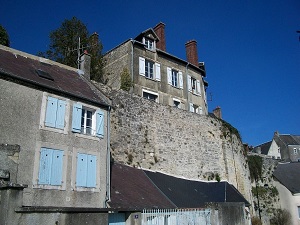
42,125
84,125
149,43
152,93
143,71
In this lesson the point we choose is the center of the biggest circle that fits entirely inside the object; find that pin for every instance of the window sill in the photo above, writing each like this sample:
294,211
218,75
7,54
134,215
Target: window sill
80,135
52,129
49,187
94,189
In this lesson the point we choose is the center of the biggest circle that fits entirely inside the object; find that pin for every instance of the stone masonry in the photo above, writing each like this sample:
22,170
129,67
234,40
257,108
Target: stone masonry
174,141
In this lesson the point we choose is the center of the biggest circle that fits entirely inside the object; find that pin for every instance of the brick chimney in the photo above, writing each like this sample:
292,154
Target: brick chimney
159,29
191,52
85,64
218,112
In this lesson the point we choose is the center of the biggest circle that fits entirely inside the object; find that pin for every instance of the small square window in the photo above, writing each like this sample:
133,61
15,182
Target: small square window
150,96
176,104
295,151
149,44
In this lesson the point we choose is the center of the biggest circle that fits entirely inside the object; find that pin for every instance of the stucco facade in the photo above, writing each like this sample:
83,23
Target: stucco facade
63,154
156,74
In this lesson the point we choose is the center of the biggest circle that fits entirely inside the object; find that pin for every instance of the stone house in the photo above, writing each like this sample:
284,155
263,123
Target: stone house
284,147
287,181
54,142
156,74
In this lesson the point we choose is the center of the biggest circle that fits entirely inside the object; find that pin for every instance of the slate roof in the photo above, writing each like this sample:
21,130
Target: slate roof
290,139
22,67
132,189
139,189
288,175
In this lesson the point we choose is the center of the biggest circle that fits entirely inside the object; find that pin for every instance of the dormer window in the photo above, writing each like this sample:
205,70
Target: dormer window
149,43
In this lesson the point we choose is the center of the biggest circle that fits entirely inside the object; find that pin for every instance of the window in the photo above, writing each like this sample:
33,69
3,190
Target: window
87,121
50,169
194,85
149,69
299,212
149,44
175,78
176,103
150,95
196,109
86,170
55,113
295,151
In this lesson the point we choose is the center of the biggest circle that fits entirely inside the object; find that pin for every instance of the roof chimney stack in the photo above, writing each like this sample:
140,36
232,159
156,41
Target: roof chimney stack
159,29
218,112
191,52
85,64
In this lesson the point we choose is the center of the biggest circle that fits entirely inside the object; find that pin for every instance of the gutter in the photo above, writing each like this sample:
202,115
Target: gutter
107,197
187,85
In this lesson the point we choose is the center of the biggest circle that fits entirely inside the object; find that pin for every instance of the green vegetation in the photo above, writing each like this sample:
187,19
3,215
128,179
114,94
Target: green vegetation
281,217
126,82
255,163
64,44
4,38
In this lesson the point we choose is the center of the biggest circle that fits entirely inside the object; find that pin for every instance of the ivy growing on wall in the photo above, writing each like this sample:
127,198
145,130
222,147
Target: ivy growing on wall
255,163
126,82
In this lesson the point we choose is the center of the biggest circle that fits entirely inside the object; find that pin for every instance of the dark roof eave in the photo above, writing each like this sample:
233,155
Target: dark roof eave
55,90
183,61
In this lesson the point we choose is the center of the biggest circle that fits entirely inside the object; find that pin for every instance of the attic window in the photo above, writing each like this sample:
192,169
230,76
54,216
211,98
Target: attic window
149,43
43,74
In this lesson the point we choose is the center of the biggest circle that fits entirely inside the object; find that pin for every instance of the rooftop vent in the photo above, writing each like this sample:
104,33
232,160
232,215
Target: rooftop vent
44,74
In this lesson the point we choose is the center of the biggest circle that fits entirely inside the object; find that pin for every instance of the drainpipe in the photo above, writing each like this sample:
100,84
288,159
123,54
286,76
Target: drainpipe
131,64
107,197
187,85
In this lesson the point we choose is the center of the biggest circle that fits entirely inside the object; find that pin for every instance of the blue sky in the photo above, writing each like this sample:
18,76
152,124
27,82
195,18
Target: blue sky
250,48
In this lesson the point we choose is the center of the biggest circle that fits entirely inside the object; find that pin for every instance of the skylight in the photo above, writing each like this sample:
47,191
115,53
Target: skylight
44,74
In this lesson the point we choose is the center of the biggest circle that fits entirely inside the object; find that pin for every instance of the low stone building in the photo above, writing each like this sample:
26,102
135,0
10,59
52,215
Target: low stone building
156,74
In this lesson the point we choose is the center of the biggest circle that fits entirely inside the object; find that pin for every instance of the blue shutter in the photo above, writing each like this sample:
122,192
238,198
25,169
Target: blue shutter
57,165
99,123
91,171
51,112
81,170
45,166
76,119
60,116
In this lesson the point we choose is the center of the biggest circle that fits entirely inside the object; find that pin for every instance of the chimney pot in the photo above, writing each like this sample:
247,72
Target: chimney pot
191,52
218,112
159,29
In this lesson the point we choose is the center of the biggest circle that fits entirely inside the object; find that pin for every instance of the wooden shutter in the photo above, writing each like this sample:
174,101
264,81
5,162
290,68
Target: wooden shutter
45,166
198,87
169,73
81,172
60,115
56,167
91,170
189,82
157,71
142,66
76,119
99,123
180,80
51,112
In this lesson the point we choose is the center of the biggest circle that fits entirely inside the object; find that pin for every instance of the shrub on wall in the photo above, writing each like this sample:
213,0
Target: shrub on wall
126,82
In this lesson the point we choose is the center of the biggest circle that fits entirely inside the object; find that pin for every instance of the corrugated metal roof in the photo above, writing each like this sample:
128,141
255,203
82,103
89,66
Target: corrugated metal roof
15,65
288,175
140,189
